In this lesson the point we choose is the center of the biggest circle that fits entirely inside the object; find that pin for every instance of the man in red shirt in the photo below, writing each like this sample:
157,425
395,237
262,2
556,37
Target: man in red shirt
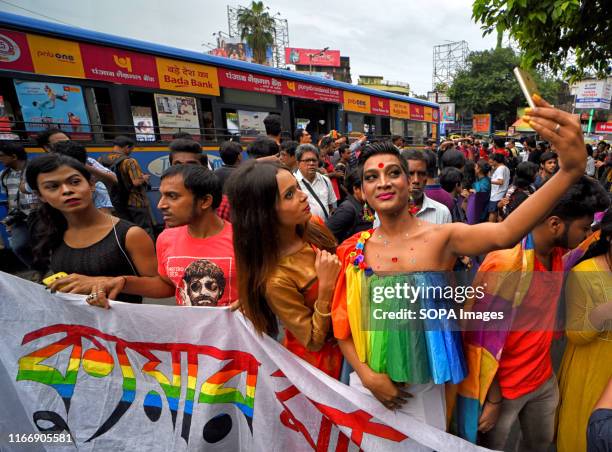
525,387
195,253
499,147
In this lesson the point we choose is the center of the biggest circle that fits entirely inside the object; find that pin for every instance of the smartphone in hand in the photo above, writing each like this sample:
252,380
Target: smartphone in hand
527,84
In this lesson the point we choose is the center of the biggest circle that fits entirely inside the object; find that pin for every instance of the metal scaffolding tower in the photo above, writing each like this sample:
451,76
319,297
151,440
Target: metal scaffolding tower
281,34
448,59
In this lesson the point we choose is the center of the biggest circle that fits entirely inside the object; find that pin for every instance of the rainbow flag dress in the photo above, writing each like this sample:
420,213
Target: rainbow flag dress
409,350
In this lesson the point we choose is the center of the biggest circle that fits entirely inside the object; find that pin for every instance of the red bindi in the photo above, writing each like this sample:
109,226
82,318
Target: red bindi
381,165
394,259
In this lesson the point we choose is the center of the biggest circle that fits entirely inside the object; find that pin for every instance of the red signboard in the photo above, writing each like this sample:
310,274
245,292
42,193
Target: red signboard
245,81
310,91
305,57
119,66
14,51
603,127
379,106
434,114
417,112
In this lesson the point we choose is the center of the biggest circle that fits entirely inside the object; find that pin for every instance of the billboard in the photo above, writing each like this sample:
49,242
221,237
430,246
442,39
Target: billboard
177,112
47,105
315,57
594,94
447,111
234,49
481,123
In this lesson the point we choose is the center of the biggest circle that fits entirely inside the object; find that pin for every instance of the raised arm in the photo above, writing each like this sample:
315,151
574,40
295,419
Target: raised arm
563,130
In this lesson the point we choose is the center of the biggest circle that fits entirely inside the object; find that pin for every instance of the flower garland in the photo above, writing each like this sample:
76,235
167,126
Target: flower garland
357,254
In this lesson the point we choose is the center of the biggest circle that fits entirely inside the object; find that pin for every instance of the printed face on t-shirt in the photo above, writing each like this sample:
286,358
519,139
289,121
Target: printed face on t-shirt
203,284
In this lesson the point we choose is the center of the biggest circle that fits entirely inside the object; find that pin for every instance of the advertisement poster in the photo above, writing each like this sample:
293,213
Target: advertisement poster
251,122
5,123
177,112
143,123
232,123
448,113
481,123
594,94
47,105
305,57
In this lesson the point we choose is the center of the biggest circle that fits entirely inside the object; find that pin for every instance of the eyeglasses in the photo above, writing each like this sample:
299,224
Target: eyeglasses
307,161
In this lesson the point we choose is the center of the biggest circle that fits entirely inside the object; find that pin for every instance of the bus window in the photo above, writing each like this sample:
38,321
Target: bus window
397,127
417,131
10,124
354,122
104,107
207,120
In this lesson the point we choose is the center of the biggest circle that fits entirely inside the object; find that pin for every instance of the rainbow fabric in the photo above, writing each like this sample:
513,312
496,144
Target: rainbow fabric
507,275
98,362
415,352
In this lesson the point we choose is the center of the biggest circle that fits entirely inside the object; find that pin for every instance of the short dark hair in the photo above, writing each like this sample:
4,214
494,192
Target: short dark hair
187,145
394,138
42,138
229,151
262,147
298,134
530,142
499,142
453,158
499,158
183,135
432,163
272,122
72,149
525,174
352,180
289,147
199,181
584,198
484,166
414,154
450,177
589,150
547,156
13,149
381,148
123,141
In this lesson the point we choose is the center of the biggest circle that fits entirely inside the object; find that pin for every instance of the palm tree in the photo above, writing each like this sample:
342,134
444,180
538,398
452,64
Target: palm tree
256,29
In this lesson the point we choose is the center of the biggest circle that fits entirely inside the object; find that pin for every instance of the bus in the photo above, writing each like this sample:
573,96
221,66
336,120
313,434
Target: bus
95,86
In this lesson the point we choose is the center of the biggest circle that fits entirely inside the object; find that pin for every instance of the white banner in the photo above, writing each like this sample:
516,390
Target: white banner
162,378
594,94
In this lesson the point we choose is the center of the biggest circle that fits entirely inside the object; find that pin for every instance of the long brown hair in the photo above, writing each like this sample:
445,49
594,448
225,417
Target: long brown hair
253,194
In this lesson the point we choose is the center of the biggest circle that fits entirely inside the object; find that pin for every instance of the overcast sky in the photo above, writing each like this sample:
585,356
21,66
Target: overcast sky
392,38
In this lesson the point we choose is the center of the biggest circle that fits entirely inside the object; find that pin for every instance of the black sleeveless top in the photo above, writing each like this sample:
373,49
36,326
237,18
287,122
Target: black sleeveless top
103,258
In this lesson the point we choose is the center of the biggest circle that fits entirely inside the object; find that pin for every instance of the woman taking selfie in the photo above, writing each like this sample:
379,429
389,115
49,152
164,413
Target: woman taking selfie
70,235
285,263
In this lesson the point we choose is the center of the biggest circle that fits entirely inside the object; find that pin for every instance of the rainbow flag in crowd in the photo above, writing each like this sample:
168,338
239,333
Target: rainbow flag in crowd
506,276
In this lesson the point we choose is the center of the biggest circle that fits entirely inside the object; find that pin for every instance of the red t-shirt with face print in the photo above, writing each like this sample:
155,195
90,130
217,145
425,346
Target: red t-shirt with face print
202,270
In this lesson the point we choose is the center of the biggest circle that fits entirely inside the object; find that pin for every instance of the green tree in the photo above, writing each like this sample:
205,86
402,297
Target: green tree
489,86
550,33
256,29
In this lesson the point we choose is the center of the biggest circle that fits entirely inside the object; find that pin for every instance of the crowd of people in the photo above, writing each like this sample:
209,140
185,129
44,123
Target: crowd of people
300,235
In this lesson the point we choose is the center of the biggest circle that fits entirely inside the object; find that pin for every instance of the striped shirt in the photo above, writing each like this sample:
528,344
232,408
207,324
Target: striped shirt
130,170
9,184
